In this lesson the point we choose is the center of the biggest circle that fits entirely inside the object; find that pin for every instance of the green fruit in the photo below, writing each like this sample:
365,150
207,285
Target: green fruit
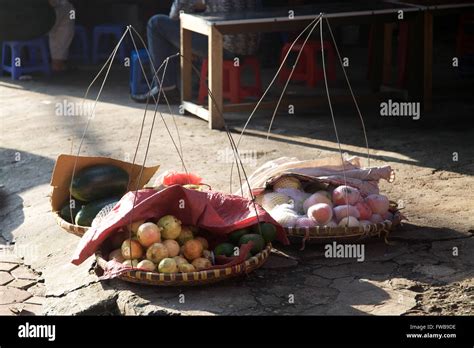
226,249
88,212
170,225
236,235
269,232
167,265
255,228
65,211
258,242
99,181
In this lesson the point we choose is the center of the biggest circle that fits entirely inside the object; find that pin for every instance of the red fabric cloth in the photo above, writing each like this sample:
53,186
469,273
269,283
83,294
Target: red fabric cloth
216,212
173,178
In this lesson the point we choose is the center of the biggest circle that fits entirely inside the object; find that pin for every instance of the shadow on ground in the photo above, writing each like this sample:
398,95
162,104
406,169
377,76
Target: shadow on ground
387,281
264,292
444,130
20,171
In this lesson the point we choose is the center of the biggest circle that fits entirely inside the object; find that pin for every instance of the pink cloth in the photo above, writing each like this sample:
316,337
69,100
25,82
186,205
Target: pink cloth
330,170
216,212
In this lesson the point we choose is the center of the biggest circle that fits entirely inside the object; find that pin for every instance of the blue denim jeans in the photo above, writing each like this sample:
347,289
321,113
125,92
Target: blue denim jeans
164,41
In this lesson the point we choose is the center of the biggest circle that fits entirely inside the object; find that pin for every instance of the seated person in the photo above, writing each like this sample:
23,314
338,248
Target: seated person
163,34
61,34
31,19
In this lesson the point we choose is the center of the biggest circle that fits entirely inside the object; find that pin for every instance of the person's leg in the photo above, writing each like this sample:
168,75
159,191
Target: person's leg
164,41
61,35
160,28
166,31
160,48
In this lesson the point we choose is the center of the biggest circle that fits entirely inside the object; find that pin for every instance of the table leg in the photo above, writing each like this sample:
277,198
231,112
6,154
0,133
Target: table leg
186,65
420,77
381,62
427,60
376,67
387,53
215,48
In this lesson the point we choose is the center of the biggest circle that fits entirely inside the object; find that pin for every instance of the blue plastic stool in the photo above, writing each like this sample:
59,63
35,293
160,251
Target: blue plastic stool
138,83
106,32
79,49
17,64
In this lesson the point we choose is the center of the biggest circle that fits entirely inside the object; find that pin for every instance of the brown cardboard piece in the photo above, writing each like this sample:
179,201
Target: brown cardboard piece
62,173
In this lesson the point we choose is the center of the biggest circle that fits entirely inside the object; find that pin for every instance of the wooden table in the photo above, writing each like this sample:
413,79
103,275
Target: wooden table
216,25
420,60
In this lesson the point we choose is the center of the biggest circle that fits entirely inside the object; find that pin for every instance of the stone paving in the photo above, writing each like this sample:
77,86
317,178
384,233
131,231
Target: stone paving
427,267
21,289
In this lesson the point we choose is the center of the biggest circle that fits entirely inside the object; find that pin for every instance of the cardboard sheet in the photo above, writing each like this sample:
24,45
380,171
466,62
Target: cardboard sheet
62,173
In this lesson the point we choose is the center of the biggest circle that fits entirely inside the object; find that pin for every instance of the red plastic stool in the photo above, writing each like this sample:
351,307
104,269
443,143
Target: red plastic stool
232,89
308,69
465,38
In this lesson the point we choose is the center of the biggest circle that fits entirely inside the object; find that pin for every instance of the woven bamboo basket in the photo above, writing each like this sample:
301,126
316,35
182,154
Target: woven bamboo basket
324,234
68,227
192,278
61,179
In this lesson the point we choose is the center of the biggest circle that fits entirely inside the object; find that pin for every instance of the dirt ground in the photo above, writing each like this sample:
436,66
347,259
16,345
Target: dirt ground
426,268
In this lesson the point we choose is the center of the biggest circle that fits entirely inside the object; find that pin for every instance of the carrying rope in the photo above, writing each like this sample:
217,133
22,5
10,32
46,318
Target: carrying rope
149,85
234,145
291,74
323,61
267,89
311,27
108,62
147,149
156,100
352,92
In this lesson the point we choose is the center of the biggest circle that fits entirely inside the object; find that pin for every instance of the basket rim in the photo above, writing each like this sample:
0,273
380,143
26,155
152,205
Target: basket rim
321,232
327,232
192,278
68,227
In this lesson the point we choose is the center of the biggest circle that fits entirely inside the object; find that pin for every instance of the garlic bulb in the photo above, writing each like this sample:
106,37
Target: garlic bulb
272,199
298,197
284,215
287,182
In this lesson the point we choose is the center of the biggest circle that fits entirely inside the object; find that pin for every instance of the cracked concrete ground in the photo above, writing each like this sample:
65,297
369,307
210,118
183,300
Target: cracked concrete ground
21,289
427,267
